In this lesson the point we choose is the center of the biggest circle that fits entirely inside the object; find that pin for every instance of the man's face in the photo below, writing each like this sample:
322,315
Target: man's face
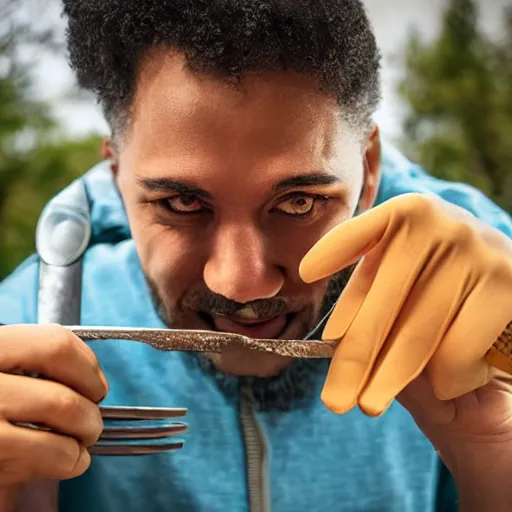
226,189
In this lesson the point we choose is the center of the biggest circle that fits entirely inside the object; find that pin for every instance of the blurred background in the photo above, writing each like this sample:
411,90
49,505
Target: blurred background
447,102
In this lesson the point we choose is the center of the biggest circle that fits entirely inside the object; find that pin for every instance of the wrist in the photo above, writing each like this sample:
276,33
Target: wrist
483,476
477,494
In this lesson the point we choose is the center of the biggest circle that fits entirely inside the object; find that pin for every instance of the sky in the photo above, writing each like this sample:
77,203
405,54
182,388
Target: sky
392,21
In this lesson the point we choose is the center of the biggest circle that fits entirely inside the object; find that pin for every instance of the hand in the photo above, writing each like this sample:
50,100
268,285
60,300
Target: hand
426,302
65,401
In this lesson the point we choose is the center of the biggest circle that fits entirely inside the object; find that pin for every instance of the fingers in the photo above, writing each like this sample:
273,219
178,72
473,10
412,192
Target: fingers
383,236
459,365
344,245
54,352
24,399
416,335
65,403
27,454
389,287
451,346
352,298
361,344
411,301
347,243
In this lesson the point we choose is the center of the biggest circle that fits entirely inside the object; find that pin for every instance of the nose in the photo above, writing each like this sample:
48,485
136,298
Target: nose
239,265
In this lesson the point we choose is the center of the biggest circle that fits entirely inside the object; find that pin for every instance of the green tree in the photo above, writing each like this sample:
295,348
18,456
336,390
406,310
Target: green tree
458,90
36,160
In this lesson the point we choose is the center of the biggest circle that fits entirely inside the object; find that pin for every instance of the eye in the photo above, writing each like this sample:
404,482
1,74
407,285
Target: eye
299,204
183,204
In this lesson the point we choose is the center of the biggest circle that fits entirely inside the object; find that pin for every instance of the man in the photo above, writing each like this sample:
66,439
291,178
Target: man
242,145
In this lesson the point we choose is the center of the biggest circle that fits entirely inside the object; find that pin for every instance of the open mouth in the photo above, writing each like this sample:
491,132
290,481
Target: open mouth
270,328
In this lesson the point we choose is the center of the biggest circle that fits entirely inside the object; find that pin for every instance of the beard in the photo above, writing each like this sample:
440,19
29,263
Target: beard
297,385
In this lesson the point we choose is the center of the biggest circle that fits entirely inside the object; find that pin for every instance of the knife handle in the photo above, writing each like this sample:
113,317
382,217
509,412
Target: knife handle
500,354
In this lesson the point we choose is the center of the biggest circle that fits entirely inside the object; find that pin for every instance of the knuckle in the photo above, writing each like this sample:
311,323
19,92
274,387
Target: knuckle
68,406
462,235
500,269
416,206
60,344
79,415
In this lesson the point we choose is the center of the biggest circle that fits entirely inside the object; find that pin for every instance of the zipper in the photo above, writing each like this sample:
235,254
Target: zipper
256,454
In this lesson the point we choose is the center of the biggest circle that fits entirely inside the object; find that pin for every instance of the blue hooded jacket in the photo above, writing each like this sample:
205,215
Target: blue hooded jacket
312,459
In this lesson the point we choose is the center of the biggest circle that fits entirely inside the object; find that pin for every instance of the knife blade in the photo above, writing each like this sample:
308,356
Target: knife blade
499,355
205,341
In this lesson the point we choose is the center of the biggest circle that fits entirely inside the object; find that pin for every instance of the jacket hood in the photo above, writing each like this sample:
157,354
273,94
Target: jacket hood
108,216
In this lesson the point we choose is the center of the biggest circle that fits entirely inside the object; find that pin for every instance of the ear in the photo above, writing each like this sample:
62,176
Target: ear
109,152
372,174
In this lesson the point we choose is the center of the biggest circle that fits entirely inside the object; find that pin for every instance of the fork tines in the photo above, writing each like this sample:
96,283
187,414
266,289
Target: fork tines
109,412
150,434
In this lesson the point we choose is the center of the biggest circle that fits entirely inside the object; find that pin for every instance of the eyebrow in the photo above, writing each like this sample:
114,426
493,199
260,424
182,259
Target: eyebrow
306,180
182,187
172,185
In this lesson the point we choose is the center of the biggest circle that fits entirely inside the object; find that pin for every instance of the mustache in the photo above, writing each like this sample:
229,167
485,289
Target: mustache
205,301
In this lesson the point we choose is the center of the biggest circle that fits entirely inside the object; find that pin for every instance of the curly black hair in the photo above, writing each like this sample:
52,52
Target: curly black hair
330,39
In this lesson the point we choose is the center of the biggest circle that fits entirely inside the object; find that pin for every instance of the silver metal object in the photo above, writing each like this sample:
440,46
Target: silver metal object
64,227
63,233
150,434
205,341
62,236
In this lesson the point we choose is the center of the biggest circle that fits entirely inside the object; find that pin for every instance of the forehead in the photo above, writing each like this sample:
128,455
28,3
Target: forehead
279,122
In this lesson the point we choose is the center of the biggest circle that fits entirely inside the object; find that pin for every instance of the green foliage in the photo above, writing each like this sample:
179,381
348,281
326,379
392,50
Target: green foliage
36,161
459,93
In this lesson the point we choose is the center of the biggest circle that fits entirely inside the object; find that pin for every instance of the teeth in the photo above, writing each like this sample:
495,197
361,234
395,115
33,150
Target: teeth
247,313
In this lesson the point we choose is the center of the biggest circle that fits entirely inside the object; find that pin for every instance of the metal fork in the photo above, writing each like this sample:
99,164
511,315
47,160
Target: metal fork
150,433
